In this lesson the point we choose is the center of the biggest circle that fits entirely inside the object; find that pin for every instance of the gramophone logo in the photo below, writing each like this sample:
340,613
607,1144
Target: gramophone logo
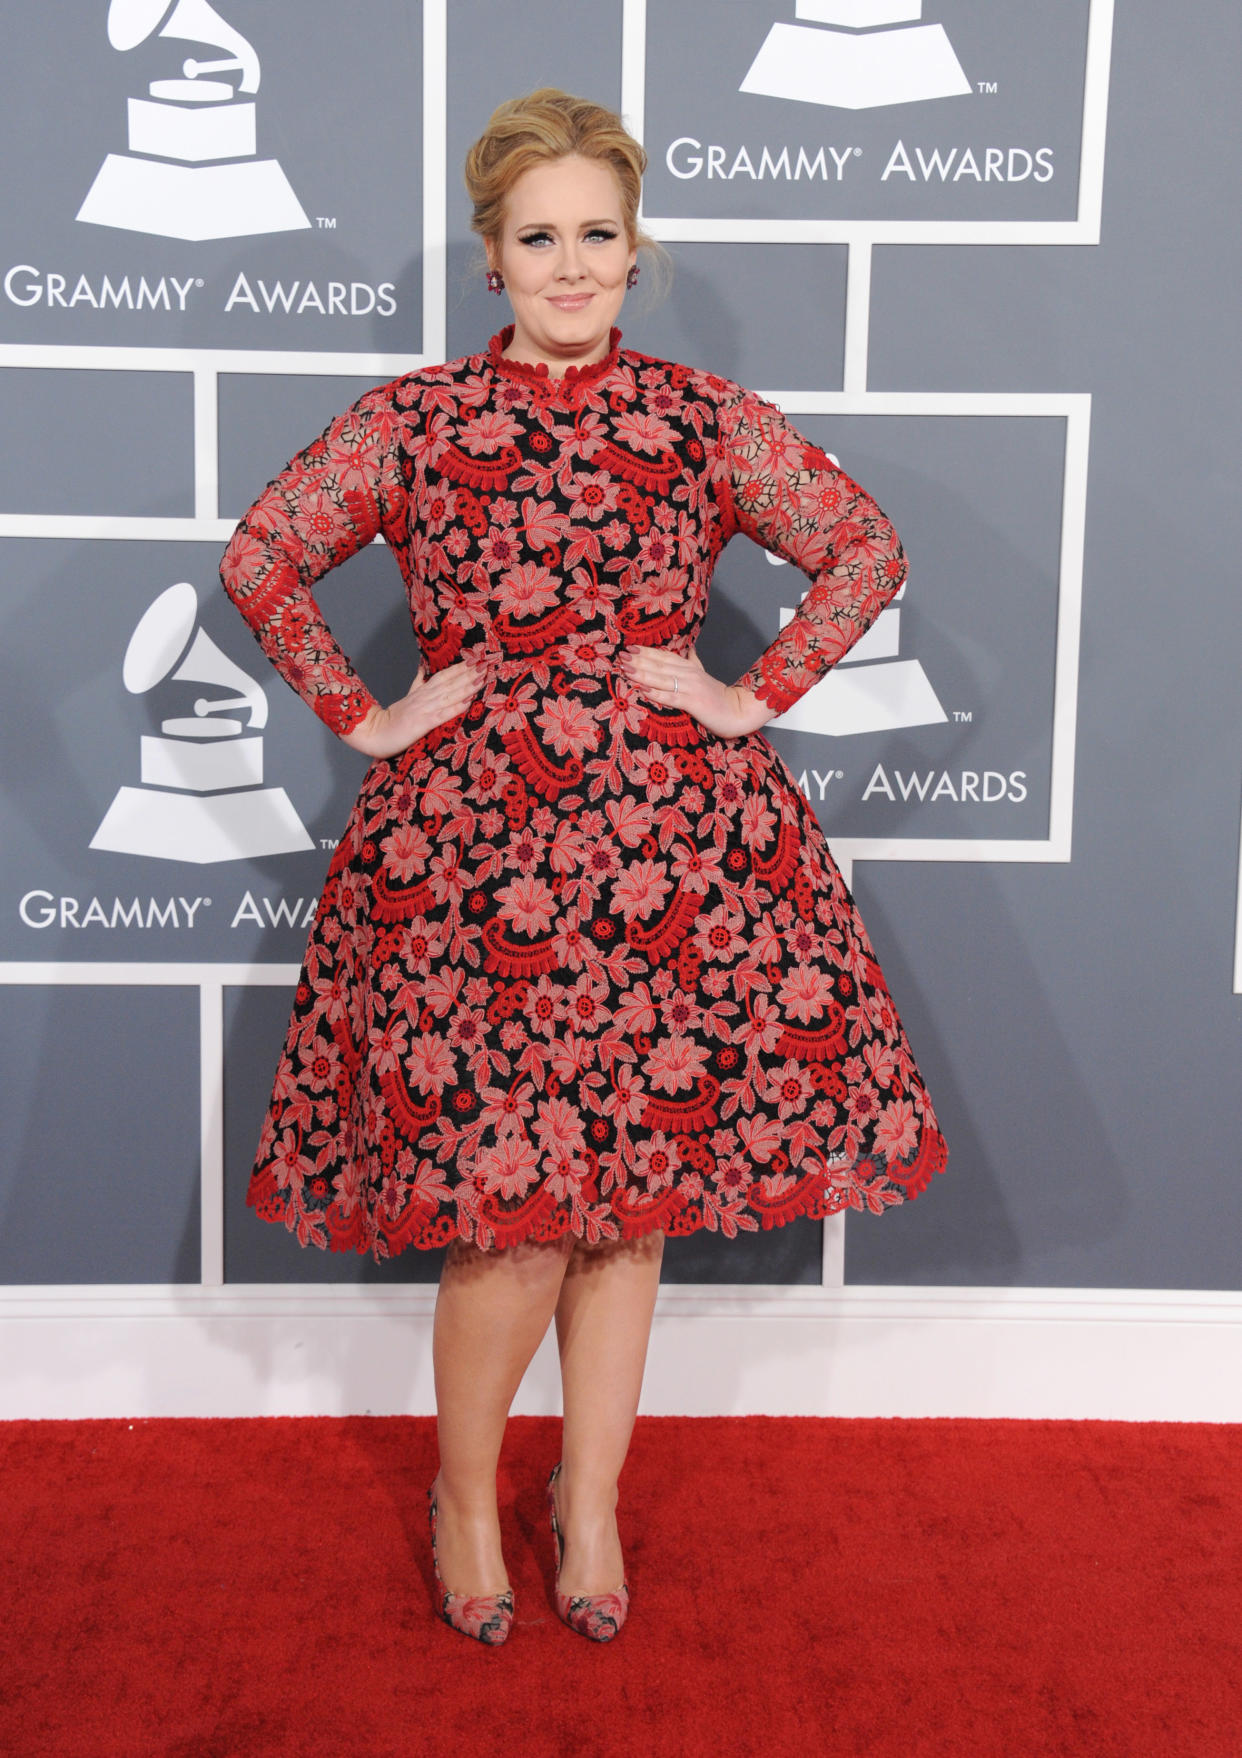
202,797
191,170
861,61
871,690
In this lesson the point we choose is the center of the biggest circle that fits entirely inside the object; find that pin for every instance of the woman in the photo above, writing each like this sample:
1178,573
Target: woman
583,973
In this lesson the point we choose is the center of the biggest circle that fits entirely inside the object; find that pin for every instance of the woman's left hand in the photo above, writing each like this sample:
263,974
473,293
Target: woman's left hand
678,680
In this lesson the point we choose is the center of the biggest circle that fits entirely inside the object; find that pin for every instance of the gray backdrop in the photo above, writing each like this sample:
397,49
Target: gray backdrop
1076,1019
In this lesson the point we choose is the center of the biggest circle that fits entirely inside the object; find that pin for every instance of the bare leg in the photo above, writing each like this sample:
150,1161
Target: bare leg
492,1310
603,1322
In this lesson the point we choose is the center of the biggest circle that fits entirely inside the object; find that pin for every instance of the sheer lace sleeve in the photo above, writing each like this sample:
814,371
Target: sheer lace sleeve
323,507
788,496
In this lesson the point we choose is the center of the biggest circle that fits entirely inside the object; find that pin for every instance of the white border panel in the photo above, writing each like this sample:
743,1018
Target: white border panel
435,192
206,364
1074,408
910,1352
211,1133
381,366
1085,229
1237,949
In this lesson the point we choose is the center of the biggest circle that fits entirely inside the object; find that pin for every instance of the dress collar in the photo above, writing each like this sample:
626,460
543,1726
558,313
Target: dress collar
538,377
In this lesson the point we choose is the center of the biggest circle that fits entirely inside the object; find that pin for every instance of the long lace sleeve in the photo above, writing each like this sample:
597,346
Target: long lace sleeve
788,496
329,502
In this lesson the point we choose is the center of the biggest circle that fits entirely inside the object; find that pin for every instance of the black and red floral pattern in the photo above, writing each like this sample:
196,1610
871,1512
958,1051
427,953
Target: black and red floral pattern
579,964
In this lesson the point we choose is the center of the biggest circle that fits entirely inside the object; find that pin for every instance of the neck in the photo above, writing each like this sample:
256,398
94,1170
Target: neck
558,361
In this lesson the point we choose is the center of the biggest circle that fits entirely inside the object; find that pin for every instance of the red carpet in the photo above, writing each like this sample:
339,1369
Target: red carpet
204,1589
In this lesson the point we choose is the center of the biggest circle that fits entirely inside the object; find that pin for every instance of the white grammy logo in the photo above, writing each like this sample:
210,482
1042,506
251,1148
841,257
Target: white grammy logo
852,71
221,811
171,191
883,694
886,694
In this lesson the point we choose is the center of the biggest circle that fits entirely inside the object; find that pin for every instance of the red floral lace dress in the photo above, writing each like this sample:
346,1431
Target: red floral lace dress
579,963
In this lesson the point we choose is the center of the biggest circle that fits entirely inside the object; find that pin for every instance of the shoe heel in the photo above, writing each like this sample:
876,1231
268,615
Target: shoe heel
487,1617
597,1616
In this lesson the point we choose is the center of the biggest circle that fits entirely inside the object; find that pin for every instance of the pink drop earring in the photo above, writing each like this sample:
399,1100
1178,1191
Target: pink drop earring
495,281
631,280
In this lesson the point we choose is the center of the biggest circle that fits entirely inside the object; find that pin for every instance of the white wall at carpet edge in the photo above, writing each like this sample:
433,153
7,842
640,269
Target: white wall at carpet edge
1127,1355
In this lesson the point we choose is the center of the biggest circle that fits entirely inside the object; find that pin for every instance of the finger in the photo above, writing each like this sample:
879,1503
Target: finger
460,675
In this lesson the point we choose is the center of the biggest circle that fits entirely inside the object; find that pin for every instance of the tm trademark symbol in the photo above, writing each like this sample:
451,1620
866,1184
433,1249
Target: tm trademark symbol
329,842
326,222
988,87
963,716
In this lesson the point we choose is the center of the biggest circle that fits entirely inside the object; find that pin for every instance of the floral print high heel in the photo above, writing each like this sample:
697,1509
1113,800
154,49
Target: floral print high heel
488,1617
598,1616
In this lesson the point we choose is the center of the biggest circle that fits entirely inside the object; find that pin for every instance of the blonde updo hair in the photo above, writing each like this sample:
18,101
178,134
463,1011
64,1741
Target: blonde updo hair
539,129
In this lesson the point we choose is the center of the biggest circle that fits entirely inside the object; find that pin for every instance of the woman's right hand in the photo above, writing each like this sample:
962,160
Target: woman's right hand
428,703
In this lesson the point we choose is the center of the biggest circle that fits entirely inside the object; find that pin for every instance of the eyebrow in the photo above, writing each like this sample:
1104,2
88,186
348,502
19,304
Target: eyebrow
550,225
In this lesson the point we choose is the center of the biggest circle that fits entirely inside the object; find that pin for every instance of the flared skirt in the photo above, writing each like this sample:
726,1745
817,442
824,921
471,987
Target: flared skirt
580,965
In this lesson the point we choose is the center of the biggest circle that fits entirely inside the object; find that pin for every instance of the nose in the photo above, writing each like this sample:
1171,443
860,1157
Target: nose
572,267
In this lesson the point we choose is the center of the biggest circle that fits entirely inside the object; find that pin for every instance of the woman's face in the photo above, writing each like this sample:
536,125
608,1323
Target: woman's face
565,256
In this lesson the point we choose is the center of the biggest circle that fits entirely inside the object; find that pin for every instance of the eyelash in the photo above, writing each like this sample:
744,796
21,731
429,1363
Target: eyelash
598,232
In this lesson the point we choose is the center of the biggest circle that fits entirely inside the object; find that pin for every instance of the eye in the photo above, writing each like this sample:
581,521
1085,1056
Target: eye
601,234
535,238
